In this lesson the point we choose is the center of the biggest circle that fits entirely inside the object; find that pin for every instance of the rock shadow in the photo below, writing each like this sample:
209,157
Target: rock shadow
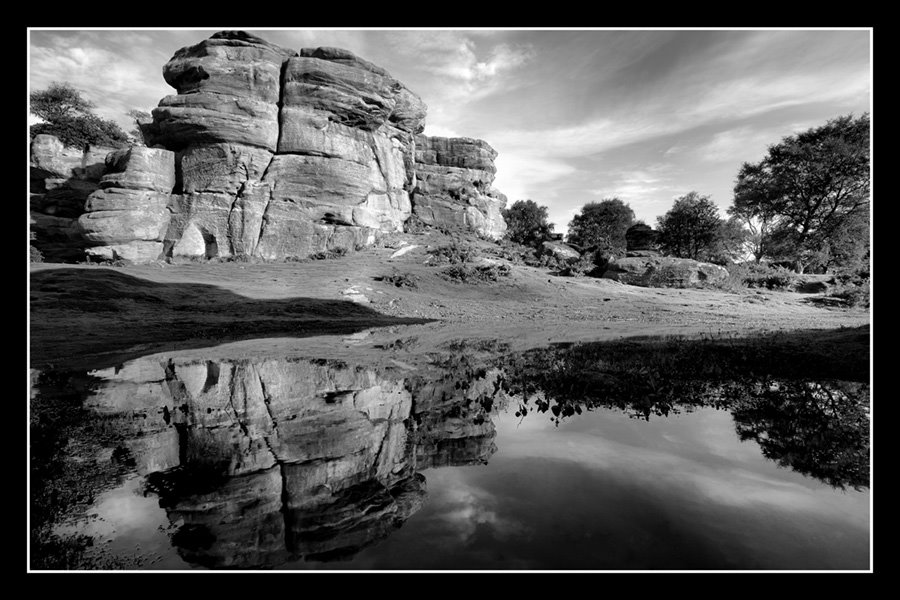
95,318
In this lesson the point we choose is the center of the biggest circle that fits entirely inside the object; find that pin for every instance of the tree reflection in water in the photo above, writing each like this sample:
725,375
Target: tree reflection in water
806,407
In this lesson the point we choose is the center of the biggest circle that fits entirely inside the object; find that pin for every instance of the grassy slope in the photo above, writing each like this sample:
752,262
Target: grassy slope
84,314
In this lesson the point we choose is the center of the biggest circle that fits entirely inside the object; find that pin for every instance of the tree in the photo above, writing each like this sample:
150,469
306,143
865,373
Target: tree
807,190
138,116
526,223
692,227
58,102
758,228
601,226
733,242
68,116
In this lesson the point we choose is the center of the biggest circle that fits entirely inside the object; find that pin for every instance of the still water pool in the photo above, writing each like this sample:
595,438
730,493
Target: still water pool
531,461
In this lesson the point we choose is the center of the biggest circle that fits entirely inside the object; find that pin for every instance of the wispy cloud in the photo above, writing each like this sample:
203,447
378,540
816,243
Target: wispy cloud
115,81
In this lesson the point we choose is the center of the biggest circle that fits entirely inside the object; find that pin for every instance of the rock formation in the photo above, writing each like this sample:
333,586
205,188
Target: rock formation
280,154
453,185
560,250
128,217
61,181
640,240
663,271
644,266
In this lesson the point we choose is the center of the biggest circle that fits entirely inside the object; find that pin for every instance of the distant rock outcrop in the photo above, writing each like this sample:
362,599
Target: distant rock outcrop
281,154
663,271
453,185
560,250
640,240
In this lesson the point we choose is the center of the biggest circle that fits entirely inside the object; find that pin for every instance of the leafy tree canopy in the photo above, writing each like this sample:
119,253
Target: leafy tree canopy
601,226
527,223
67,115
691,229
809,190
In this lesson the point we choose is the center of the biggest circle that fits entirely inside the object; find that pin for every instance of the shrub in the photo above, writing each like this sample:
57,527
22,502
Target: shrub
400,280
36,256
754,275
333,253
852,296
584,266
456,253
415,225
464,273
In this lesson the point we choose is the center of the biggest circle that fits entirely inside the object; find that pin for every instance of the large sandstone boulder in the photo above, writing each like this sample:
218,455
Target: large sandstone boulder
560,250
282,154
453,185
228,91
128,217
663,271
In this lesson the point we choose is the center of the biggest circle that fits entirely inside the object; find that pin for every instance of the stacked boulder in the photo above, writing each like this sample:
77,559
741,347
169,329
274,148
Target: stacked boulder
285,154
279,154
453,186
127,218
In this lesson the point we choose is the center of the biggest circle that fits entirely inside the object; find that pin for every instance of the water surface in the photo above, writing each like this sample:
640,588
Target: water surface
585,457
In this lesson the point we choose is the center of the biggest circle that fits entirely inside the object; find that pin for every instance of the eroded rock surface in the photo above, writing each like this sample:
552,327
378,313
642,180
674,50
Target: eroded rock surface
277,154
663,271
453,186
127,217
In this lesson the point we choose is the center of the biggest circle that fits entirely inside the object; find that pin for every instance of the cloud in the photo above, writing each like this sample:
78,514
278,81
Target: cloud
115,81
745,143
519,172
467,508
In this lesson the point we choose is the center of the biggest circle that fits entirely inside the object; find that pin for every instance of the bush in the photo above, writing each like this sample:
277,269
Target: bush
400,280
36,256
579,267
415,225
456,253
334,253
754,275
851,287
464,273
852,296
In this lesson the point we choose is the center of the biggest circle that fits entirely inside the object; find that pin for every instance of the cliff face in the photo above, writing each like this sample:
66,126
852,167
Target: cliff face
274,460
280,154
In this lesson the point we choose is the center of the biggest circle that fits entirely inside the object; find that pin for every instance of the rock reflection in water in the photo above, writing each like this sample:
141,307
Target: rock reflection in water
260,463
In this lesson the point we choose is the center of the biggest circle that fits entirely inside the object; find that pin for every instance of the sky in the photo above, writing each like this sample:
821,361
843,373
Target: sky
576,116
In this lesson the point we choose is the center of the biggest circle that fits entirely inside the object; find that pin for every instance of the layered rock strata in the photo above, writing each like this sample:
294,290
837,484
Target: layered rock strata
278,154
284,154
453,186
127,218
61,179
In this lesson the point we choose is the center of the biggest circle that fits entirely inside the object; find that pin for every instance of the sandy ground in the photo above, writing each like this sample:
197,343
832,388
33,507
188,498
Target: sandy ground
85,315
